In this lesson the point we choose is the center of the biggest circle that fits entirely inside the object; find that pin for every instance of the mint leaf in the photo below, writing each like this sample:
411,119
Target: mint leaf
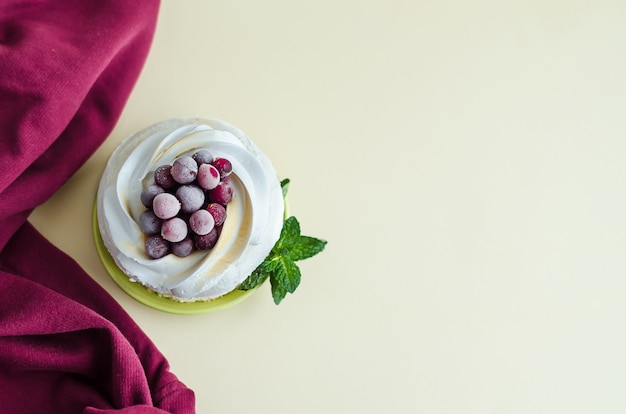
278,291
260,274
288,236
255,279
306,247
287,274
279,266
284,279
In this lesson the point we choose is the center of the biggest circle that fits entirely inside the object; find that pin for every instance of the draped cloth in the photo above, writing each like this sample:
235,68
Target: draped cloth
67,68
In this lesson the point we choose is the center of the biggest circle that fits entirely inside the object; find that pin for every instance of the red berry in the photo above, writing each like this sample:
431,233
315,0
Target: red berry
218,212
223,166
184,170
201,222
149,222
157,247
163,177
202,157
174,229
221,194
208,176
183,248
207,241
191,198
148,194
165,205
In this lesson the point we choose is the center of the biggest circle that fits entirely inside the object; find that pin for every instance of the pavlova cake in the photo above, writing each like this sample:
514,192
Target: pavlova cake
192,209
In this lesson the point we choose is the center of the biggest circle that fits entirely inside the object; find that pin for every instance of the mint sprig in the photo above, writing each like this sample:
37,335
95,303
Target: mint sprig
280,265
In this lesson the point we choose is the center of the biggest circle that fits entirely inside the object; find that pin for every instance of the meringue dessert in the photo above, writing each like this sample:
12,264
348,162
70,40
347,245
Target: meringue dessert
198,237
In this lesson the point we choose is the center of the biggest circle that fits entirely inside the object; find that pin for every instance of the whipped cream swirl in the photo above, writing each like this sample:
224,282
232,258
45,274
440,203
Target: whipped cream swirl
254,216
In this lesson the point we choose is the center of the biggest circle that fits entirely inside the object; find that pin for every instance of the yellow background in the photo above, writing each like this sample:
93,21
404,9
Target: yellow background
466,161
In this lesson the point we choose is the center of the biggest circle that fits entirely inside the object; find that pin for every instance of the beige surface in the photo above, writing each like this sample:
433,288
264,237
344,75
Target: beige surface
466,162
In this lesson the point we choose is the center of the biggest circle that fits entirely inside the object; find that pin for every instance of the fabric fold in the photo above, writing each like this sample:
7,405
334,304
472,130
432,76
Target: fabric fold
66,70
66,346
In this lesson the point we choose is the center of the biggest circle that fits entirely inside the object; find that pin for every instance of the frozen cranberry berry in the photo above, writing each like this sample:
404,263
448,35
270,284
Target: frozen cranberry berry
149,222
218,212
208,176
148,194
223,166
201,222
191,198
221,194
163,177
157,247
206,241
202,157
182,248
184,170
174,229
165,205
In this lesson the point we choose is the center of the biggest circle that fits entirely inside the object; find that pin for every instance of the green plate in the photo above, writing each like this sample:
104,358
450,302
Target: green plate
149,298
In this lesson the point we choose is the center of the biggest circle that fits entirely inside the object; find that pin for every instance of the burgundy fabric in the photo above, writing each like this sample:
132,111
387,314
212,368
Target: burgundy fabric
66,70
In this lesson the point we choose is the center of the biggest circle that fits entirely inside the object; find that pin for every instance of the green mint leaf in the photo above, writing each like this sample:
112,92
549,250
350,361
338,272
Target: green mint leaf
288,237
278,292
279,266
259,275
288,274
306,247
255,279
284,184
285,278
